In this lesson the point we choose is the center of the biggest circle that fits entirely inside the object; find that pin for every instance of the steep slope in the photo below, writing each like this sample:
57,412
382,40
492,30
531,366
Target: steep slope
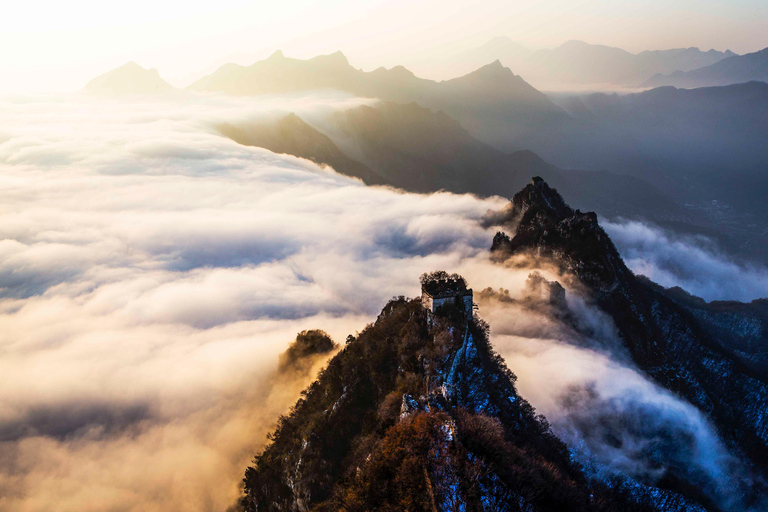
129,78
669,343
291,135
418,413
518,106
733,70
741,328
411,142
416,149
494,104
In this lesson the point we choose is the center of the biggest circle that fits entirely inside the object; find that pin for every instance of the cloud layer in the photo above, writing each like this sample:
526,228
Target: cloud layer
574,370
690,262
151,271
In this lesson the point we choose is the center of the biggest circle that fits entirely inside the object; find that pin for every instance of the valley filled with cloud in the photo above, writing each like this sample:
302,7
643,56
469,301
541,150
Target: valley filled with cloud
152,270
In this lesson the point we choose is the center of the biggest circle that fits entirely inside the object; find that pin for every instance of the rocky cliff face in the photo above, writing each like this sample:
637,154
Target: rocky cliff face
418,413
740,329
681,346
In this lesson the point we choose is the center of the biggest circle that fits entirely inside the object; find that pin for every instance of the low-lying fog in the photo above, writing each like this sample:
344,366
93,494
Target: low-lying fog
151,271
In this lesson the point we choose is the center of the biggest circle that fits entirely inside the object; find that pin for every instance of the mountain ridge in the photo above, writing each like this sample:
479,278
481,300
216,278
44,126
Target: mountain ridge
490,102
732,70
130,78
418,150
577,62
417,413
665,340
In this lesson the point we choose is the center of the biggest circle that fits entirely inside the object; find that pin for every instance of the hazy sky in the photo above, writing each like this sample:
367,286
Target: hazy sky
54,46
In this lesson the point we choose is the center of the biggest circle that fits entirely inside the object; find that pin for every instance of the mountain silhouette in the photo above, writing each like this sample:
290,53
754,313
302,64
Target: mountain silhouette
577,62
129,78
291,135
493,103
413,148
733,70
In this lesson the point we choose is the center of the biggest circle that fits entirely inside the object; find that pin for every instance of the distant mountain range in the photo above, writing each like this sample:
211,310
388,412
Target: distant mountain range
701,144
733,70
695,145
703,147
577,62
664,135
129,78
492,102
415,149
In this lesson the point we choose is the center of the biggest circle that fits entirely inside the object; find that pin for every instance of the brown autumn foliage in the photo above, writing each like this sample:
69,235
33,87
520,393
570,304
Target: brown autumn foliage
378,431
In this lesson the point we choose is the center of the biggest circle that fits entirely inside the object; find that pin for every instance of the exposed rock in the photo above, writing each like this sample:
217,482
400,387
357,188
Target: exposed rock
675,348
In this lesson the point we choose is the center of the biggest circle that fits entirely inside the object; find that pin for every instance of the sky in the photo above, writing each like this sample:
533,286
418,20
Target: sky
54,46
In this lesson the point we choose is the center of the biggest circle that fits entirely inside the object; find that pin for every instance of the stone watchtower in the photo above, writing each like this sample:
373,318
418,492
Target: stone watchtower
439,289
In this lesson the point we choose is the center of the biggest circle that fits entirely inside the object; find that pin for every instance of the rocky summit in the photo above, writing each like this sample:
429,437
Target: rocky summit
418,412
669,335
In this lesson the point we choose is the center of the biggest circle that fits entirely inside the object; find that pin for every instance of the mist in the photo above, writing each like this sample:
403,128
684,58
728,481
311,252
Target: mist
572,367
151,272
694,263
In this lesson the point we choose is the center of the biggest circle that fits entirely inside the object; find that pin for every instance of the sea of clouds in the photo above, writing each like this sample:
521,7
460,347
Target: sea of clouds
151,271
694,263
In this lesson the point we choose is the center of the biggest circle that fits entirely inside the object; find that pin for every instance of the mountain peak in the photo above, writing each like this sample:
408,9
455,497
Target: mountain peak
400,72
494,70
547,227
574,43
131,65
539,196
416,412
278,55
334,59
667,334
130,78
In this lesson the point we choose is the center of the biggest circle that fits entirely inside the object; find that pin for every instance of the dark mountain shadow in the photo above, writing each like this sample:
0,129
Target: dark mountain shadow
669,336
418,150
